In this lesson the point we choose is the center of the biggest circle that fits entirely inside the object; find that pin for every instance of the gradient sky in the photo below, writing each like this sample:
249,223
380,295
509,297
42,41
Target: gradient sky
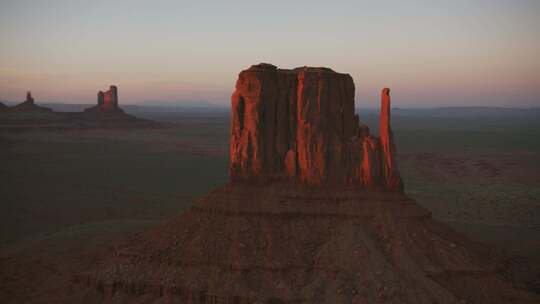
431,53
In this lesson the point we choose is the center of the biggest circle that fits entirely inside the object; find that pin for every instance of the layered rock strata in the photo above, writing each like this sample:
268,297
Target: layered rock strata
300,125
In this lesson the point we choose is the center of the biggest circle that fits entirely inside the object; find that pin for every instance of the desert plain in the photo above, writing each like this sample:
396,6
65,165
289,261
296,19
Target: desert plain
68,195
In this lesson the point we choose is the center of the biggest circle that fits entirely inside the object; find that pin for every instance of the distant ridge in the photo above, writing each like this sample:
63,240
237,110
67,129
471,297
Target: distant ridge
106,114
486,108
468,112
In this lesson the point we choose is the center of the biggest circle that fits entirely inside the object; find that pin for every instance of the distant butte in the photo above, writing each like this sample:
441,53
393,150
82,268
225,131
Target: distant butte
107,102
300,125
106,114
29,105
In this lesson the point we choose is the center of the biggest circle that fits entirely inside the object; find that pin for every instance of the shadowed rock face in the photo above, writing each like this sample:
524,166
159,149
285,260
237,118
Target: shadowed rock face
300,125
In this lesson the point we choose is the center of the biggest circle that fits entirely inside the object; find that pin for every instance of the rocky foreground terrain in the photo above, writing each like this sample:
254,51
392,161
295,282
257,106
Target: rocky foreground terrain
282,244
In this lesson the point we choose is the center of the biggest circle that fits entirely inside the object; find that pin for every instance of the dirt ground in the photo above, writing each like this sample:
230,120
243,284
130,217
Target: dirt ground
68,195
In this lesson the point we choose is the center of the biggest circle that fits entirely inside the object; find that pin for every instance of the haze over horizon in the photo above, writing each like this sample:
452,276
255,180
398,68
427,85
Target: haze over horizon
431,53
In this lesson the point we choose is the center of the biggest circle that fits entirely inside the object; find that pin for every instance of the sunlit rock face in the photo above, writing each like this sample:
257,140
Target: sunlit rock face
390,171
300,125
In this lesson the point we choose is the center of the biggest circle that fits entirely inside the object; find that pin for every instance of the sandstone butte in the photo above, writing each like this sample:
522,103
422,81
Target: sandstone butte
107,102
314,213
300,125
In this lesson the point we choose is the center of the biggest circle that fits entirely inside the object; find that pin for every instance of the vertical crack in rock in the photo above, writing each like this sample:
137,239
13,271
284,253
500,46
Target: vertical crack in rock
241,113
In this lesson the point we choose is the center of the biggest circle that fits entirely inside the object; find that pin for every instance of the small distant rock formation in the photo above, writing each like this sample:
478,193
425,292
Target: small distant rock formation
300,125
107,102
3,107
29,98
108,98
29,105
105,115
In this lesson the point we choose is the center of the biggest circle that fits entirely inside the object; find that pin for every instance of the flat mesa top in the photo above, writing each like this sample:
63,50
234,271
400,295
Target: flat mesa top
271,67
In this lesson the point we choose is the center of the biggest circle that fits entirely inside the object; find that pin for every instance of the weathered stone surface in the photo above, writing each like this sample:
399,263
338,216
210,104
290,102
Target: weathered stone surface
300,125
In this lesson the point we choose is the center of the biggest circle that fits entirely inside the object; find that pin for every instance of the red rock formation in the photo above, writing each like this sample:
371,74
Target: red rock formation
370,171
107,101
389,166
110,97
300,125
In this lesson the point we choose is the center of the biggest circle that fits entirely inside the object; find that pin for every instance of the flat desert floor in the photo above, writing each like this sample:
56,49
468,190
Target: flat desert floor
67,196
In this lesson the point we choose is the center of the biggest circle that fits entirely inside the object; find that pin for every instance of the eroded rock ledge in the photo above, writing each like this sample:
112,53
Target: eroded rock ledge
300,125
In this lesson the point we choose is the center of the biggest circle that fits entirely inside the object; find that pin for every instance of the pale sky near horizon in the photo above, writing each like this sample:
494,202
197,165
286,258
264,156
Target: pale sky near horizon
431,53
